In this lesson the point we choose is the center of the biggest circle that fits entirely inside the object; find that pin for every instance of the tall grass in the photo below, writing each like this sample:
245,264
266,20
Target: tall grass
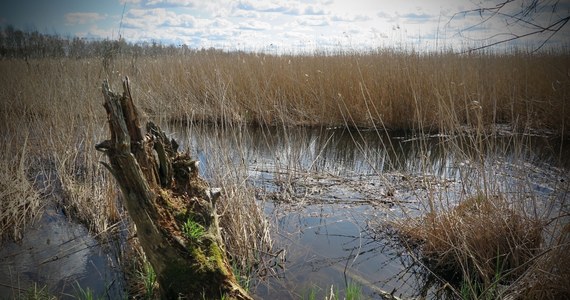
399,90
20,201
20,191
243,226
499,237
52,101
57,103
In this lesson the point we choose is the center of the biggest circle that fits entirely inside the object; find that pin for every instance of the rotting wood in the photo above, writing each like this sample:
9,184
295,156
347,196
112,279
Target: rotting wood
162,189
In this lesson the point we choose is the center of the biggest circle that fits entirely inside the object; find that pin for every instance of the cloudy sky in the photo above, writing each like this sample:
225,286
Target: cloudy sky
282,24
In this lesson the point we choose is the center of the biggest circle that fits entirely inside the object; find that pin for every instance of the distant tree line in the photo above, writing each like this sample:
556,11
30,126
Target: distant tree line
15,43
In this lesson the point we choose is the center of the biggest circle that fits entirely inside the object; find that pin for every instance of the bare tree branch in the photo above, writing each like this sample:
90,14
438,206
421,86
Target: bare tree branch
525,18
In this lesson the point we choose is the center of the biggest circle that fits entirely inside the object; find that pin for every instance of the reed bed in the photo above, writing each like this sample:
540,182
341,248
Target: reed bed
396,90
499,237
20,201
63,123
57,102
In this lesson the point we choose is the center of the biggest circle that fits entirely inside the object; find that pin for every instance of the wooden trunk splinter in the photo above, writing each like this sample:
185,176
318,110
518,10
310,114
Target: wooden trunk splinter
162,192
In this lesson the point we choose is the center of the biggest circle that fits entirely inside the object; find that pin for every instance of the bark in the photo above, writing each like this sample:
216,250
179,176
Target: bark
163,191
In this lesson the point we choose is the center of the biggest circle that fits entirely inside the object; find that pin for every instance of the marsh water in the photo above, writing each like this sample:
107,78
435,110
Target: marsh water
59,257
330,195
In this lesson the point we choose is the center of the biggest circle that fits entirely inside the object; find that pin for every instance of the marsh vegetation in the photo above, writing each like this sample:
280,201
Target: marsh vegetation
452,166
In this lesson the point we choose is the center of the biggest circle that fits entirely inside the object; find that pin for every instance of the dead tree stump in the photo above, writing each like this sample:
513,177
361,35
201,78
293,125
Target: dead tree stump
174,210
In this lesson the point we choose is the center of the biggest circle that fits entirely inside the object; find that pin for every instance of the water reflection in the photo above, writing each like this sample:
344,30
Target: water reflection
341,151
58,257
333,245
327,191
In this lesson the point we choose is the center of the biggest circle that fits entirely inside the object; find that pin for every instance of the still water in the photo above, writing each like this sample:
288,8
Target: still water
59,257
329,195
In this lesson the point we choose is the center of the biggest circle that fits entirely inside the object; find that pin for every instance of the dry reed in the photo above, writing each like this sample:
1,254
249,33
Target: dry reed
432,92
480,244
498,236
398,90
243,225
20,201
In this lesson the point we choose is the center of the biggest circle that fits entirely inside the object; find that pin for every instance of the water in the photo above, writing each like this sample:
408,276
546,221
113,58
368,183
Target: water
331,245
329,193
58,257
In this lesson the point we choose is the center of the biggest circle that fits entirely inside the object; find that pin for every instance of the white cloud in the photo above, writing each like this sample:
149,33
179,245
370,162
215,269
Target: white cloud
183,20
221,23
418,18
245,14
147,19
313,10
285,7
299,10
295,23
313,22
263,6
169,3
95,32
254,25
349,18
82,18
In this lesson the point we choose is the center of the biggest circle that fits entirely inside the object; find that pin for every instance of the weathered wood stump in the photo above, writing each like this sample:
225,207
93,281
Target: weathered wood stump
174,210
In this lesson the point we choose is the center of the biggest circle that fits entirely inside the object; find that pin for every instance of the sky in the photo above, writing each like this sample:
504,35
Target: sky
283,25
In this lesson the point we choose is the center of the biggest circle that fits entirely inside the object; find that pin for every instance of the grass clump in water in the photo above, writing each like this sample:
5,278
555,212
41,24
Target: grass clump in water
85,293
477,246
38,293
353,291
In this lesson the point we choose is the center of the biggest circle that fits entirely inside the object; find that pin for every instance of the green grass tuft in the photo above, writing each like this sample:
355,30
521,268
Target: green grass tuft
193,230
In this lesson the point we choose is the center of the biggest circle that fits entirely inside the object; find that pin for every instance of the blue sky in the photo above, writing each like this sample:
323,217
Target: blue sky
264,25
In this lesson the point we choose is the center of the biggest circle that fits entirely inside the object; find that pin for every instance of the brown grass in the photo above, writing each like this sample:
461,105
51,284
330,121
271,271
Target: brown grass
477,245
397,90
549,275
403,91
20,201
497,238
57,102
244,227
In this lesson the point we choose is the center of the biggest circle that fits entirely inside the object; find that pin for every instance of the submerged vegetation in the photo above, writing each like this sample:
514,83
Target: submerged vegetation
488,242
